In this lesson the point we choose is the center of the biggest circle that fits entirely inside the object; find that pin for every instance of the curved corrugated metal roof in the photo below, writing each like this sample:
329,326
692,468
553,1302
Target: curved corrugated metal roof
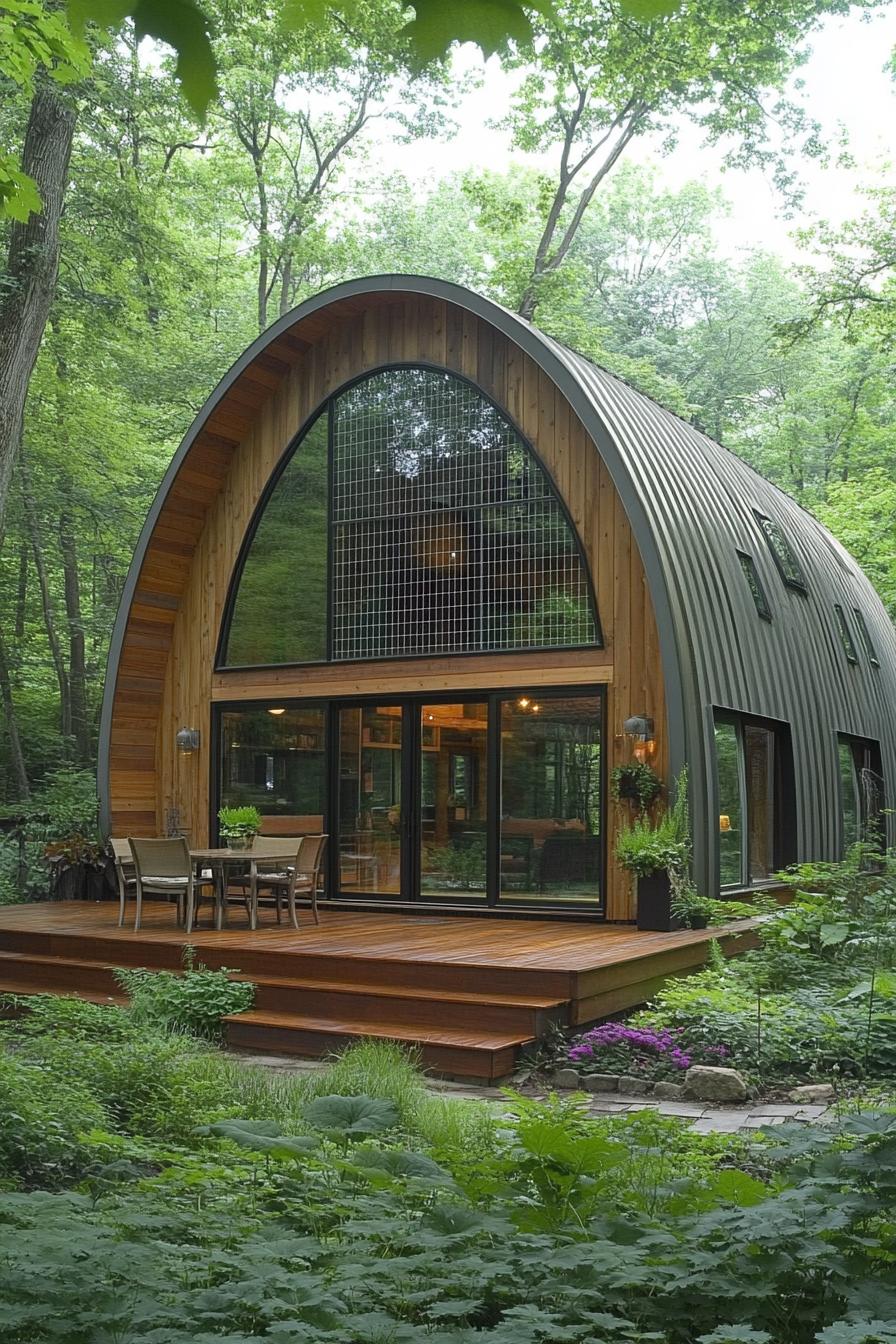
691,506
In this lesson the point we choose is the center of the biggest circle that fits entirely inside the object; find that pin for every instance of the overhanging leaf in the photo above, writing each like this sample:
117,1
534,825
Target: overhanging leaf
352,1115
19,196
488,23
179,23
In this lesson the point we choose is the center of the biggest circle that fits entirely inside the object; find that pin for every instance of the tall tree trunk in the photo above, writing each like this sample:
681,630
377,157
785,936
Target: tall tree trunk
32,267
22,590
77,670
16,758
33,527
286,285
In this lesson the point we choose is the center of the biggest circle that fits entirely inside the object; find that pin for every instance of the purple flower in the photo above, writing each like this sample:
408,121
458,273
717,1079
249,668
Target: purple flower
637,1049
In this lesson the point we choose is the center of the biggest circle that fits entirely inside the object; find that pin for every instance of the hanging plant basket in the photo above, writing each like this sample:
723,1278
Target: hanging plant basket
636,783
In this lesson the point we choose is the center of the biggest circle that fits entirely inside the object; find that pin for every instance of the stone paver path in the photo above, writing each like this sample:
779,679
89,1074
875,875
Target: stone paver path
701,1118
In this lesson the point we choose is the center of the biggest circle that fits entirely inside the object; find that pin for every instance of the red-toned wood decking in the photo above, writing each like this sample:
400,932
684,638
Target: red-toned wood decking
467,991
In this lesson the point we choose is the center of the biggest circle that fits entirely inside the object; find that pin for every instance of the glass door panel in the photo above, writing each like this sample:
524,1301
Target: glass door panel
369,801
453,801
731,833
550,843
759,759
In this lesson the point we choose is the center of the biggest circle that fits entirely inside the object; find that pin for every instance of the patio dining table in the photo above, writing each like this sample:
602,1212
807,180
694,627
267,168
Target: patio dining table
220,857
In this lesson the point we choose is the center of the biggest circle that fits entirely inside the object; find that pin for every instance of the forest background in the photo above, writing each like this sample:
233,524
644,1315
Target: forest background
179,239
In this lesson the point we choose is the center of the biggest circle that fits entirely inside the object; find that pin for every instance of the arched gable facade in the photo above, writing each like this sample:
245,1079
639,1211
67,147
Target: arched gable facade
668,530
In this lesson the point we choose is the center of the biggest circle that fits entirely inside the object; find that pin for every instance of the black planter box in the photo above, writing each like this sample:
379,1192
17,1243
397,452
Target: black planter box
84,882
654,903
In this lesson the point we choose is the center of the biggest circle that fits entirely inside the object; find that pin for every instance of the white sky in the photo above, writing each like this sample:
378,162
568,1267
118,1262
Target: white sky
845,85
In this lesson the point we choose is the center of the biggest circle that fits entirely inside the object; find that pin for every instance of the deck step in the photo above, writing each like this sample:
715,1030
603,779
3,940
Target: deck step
29,973
270,952
523,1015
455,1051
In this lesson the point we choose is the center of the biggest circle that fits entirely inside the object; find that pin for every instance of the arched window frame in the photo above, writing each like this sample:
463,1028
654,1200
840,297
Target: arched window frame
324,408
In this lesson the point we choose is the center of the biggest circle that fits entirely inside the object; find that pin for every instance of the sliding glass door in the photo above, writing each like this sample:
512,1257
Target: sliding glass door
489,799
368,803
550,813
453,830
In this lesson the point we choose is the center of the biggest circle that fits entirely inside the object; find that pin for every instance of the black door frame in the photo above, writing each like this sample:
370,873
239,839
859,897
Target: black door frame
489,902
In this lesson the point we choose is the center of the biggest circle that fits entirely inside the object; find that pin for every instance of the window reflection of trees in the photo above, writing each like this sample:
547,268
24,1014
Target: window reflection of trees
448,537
439,530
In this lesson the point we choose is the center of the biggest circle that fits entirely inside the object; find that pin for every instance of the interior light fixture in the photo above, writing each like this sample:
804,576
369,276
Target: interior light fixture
277,711
524,702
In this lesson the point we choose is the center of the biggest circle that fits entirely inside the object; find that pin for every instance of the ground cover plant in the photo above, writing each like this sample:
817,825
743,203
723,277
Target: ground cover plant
816,999
342,1208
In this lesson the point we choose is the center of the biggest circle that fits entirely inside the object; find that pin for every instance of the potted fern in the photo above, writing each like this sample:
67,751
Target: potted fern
657,855
238,826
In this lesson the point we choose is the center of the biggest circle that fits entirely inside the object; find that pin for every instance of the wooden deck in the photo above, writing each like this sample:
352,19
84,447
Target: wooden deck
468,992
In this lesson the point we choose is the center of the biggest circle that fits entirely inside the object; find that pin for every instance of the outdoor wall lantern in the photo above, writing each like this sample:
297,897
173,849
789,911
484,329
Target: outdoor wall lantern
640,727
187,740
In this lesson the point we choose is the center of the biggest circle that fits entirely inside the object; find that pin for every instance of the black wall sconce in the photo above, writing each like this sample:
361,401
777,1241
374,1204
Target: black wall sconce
641,728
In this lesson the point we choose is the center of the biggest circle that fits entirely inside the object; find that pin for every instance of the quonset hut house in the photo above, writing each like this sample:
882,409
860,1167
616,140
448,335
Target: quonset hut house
419,577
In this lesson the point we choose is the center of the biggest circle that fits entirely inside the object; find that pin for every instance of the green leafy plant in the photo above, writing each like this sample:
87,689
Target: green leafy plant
636,782
239,824
462,864
197,1000
645,847
43,1120
690,907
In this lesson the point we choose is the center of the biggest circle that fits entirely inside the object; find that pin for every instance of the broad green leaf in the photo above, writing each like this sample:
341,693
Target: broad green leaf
488,23
398,1163
179,23
19,196
832,934
261,1136
352,1115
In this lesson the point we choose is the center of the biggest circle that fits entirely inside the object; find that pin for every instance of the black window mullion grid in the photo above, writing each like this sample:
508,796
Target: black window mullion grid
493,802
411,803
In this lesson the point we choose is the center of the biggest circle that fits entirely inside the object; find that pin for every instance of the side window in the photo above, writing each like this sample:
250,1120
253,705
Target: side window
846,638
754,583
783,554
754,775
861,790
865,637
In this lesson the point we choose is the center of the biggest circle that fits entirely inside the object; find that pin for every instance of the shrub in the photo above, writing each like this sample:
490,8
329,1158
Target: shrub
45,1118
196,1001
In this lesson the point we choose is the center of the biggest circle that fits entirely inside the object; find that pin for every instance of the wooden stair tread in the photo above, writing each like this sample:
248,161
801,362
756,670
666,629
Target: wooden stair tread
486,998
410,992
398,1031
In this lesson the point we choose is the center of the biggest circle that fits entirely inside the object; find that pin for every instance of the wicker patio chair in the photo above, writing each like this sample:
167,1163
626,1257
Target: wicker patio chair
164,867
302,875
239,884
125,875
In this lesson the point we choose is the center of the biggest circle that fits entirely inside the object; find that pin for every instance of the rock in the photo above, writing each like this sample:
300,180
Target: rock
601,1082
630,1086
813,1092
567,1078
707,1083
669,1091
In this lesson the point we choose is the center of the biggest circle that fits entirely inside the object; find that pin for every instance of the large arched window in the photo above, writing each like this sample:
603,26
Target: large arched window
428,528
